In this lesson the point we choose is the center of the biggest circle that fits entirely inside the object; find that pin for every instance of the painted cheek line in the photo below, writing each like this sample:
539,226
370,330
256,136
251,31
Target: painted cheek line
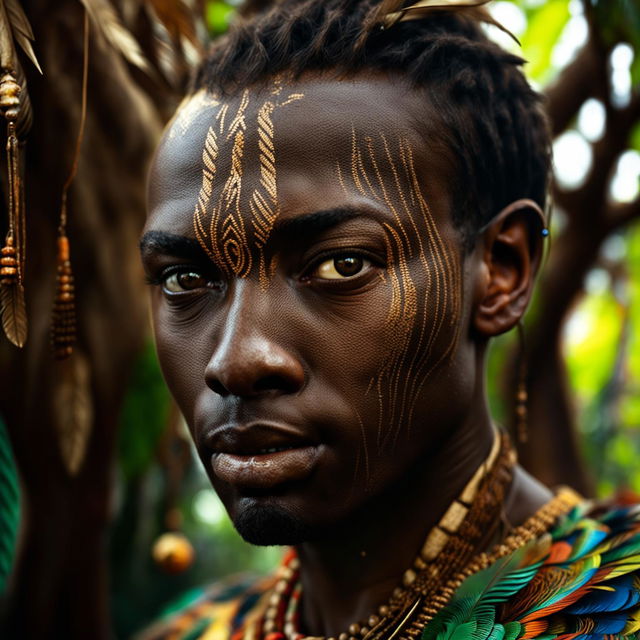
406,370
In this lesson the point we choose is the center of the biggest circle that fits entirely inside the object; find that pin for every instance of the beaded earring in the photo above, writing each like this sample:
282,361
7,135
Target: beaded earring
522,396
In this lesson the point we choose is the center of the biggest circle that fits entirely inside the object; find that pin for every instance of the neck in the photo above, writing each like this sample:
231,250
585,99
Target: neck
354,568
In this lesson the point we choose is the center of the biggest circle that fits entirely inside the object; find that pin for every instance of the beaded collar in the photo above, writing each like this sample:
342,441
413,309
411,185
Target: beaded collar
448,556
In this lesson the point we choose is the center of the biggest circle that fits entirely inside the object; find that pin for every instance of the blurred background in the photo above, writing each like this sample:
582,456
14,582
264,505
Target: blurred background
95,464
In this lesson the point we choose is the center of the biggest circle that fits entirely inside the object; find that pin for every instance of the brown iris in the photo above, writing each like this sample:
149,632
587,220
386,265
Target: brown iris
184,281
341,267
348,266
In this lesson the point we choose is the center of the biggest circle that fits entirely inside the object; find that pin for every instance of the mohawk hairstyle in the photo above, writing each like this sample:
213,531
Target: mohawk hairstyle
489,116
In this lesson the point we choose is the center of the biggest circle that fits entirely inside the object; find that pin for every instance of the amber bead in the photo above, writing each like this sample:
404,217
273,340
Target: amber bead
173,552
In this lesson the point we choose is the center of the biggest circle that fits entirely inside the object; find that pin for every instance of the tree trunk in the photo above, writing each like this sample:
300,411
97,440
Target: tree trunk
60,582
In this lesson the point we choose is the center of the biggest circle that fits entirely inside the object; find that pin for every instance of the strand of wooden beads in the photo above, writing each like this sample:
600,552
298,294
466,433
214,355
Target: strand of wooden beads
9,262
448,546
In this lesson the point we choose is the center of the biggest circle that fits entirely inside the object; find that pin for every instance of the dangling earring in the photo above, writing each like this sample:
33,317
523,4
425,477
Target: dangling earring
522,396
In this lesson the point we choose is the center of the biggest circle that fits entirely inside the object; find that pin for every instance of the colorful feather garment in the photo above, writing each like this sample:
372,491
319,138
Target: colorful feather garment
581,582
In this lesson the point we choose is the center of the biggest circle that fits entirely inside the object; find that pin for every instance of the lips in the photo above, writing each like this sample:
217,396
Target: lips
261,455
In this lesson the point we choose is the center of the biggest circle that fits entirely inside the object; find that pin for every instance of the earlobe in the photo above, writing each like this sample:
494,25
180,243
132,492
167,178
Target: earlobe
509,249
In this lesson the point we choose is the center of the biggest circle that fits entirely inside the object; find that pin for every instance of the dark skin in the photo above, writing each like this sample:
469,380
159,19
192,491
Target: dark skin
314,354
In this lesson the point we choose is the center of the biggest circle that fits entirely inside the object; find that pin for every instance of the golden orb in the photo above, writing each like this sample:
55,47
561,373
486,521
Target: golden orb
173,553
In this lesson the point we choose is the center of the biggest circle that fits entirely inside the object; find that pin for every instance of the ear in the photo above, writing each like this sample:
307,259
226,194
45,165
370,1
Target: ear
508,249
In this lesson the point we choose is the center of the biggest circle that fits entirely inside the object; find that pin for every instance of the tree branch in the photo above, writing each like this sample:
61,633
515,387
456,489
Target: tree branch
579,81
620,214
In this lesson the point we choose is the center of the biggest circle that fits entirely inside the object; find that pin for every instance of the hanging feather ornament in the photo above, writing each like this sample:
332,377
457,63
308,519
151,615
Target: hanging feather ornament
73,407
73,412
14,315
16,109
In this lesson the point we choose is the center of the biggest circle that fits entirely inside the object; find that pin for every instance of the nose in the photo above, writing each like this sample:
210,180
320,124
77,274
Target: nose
248,361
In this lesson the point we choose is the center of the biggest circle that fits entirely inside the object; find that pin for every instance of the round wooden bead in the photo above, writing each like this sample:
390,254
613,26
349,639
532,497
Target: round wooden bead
409,577
173,552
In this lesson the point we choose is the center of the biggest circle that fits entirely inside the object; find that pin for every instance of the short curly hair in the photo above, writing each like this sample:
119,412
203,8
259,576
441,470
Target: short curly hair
490,117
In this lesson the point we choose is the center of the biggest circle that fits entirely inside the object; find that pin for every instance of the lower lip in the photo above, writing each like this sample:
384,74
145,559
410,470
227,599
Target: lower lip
264,471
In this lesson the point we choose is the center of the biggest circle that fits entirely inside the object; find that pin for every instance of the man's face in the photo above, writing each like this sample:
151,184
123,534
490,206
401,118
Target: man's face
309,304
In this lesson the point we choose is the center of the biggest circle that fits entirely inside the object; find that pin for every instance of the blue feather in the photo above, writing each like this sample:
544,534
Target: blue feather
622,597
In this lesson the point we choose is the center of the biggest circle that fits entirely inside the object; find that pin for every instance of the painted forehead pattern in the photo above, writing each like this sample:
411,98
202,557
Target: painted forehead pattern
219,226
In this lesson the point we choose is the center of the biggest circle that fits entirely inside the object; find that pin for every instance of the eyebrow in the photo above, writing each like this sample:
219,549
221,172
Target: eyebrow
304,226
311,224
169,243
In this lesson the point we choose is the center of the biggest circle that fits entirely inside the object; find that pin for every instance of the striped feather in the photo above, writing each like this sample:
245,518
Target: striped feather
584,585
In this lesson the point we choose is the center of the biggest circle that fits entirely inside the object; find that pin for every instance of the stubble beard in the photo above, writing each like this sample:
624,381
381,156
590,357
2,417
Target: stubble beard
270,525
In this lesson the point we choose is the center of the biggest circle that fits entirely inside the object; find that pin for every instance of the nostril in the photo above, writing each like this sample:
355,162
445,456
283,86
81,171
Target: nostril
275,382
218,387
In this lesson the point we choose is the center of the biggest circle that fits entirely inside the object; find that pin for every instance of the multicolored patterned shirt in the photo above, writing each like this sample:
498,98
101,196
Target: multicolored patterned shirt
578,581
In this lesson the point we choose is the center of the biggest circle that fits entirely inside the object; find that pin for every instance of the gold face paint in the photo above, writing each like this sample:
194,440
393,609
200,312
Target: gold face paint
220,228
188,110
413,324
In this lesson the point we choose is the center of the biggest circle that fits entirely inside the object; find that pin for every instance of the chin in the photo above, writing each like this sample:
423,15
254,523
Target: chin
269,525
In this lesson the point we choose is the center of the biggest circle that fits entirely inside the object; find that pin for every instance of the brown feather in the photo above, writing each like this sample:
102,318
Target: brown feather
423,8
73,409
22,32
107,23
177,19
14,313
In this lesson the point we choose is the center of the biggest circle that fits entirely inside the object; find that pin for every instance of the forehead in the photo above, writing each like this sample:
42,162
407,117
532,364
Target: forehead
313,125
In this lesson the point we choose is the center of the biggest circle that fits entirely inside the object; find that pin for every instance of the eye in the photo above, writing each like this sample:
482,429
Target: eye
182,281
341,267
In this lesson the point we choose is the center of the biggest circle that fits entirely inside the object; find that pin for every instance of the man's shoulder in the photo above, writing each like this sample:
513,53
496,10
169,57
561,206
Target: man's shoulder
215,613
579,580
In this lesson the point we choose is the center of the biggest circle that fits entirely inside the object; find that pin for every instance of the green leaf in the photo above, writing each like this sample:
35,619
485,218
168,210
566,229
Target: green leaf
9,506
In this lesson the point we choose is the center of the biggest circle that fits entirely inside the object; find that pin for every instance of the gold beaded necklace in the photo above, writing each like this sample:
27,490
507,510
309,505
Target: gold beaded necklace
448,548
445,560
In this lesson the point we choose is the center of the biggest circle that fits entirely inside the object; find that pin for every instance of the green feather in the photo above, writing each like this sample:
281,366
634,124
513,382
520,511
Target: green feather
9,506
